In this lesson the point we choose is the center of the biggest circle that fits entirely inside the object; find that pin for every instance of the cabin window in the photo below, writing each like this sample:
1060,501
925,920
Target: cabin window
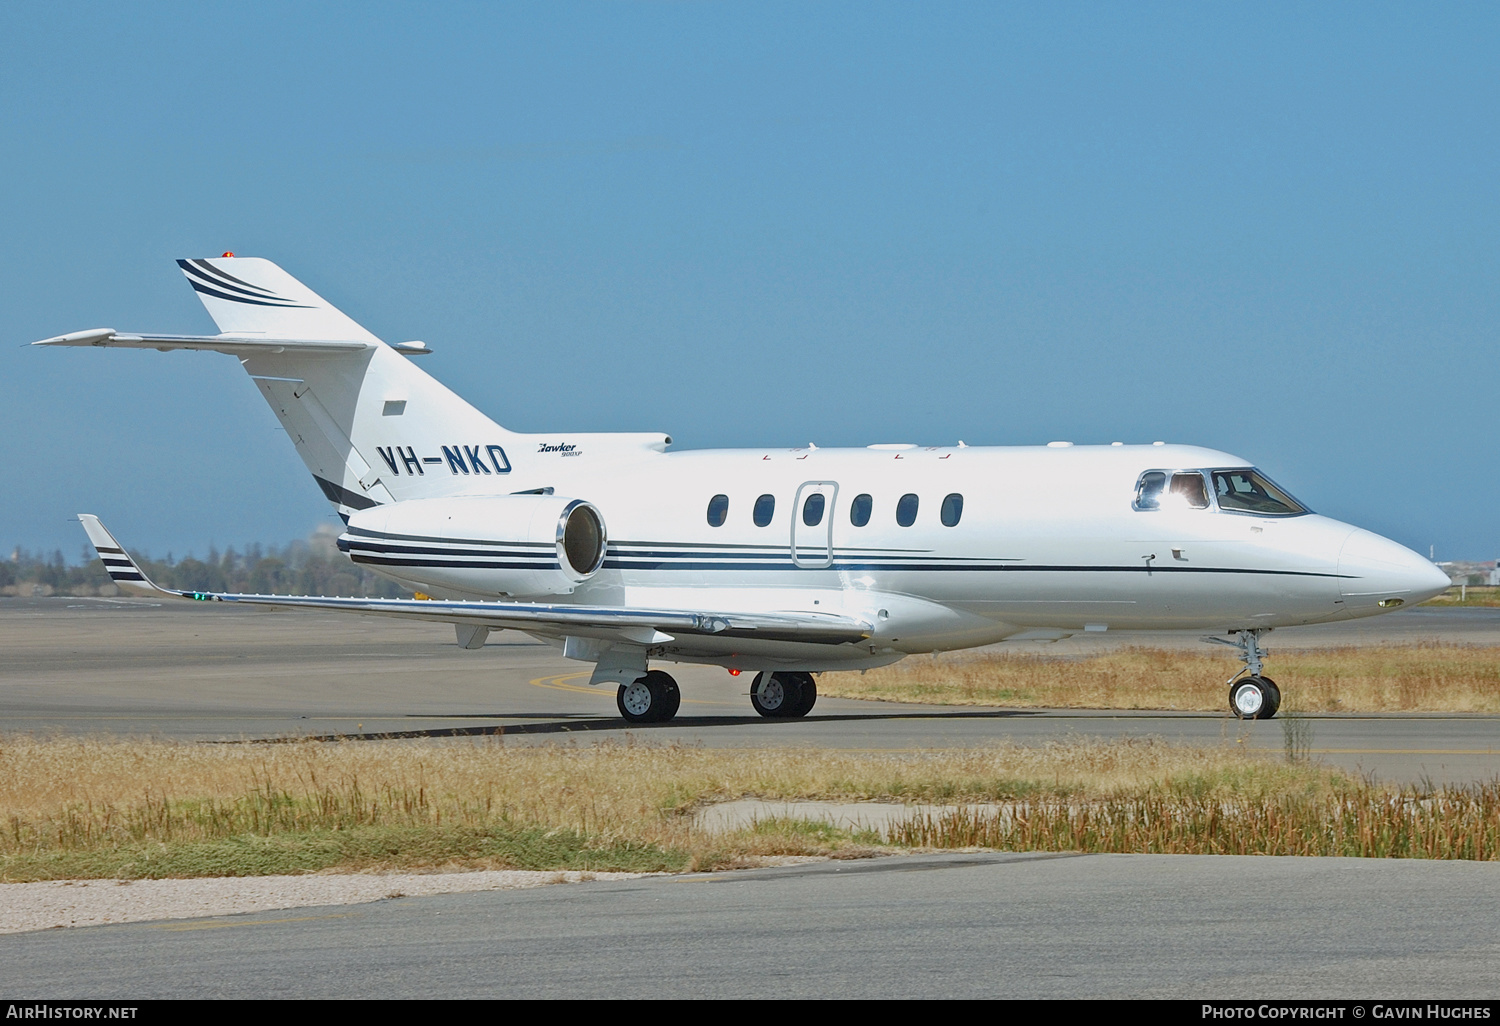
953,509
1148,490
1249,491
906,510
718,509
859,510
812,509
1189,487
765,507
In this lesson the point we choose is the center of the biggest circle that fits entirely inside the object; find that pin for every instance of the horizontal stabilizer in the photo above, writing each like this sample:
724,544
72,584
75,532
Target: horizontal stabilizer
621,623
109,338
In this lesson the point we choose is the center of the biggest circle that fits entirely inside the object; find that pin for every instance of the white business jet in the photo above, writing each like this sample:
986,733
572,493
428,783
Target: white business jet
782,562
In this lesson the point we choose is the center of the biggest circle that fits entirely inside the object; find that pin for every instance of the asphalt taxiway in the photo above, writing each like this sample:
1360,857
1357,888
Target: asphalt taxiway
980,924
938,926
130,667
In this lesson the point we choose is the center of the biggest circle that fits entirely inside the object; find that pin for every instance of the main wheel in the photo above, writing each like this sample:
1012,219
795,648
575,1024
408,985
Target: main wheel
776,695
1254,698
653,698
809,694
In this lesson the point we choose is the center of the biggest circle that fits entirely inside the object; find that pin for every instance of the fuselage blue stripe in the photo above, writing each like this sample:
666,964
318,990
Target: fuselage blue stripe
487,565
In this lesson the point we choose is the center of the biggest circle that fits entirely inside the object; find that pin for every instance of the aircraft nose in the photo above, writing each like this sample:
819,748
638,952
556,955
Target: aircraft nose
1375,573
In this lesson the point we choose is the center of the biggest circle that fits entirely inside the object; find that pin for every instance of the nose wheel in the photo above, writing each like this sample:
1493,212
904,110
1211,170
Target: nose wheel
653,698
783,695
1254,698
1251,695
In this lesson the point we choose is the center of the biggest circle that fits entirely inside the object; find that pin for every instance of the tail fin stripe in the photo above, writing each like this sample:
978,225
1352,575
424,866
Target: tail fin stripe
202,270
195,275
210,269
240,299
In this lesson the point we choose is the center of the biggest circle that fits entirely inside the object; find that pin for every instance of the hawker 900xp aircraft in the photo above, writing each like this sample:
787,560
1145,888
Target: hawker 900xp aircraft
780,562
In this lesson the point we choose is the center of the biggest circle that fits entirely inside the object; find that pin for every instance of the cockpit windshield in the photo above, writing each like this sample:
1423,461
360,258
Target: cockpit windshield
1237,491
1249,491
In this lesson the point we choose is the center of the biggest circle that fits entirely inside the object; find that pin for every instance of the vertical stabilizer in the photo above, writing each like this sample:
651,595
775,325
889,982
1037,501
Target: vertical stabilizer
252,296
370,426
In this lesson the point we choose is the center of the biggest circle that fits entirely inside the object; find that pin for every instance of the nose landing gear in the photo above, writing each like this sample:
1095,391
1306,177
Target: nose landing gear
1254,698
1251,695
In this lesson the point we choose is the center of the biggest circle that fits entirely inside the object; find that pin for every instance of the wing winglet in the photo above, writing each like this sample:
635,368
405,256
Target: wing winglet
124,571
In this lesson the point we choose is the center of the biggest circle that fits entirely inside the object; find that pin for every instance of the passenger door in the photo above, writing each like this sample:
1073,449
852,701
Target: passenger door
812,524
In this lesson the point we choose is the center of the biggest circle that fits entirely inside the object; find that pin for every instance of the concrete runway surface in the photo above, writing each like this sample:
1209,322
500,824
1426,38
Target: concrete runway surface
207,672
941,926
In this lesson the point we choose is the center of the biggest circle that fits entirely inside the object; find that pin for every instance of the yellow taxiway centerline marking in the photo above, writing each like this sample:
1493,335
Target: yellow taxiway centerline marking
555,682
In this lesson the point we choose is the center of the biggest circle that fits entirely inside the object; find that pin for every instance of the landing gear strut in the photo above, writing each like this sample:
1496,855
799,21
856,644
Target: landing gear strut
783,695
1251,695
653,698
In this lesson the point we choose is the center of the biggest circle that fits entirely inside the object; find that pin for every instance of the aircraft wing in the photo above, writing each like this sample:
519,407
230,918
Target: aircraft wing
621,623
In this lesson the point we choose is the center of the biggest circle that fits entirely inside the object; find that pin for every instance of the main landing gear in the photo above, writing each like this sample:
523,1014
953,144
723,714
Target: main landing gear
783,695
1252,696
653,698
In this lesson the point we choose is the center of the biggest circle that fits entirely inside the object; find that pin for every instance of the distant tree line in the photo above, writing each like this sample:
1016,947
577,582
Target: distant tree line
311,567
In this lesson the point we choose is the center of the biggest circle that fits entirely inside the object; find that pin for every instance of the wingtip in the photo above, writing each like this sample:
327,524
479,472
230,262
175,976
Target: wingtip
98,534
87,337
123,570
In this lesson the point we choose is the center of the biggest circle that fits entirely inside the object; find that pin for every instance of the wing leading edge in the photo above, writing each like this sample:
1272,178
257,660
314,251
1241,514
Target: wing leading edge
620,623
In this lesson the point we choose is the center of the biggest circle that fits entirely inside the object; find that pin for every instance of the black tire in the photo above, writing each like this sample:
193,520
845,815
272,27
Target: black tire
671,697
653,698
776,695
1273,699
1250,698
809,695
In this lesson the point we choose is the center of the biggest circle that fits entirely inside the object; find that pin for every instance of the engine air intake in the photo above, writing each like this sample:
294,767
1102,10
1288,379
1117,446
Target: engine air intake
580,539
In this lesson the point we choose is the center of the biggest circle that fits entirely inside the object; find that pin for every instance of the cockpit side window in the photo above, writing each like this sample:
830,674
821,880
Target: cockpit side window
1148,490
1189,486
1250,491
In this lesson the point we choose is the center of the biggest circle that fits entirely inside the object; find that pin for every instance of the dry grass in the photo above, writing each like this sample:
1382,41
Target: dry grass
1368,823
1429,677
1477,595
100,808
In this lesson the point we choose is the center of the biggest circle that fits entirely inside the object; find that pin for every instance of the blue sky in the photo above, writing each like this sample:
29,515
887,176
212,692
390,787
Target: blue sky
1270,229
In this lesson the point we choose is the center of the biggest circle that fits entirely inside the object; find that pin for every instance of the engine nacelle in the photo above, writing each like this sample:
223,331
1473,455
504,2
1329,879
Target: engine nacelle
524,546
